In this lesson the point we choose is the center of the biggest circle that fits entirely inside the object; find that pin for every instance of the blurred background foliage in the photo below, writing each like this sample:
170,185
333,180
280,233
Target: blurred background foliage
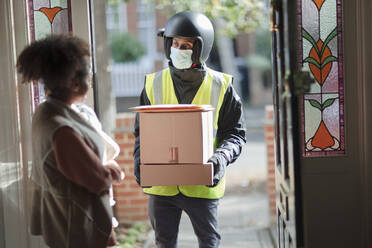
261,59
126,47
237,15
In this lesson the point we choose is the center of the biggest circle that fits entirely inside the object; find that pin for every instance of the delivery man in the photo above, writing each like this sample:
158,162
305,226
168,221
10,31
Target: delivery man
188,40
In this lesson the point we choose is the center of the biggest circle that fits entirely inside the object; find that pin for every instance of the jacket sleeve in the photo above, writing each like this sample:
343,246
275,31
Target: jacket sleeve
230,134
231,127
144,100
79,163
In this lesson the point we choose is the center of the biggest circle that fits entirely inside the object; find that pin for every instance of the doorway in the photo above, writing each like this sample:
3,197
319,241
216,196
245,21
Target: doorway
246,206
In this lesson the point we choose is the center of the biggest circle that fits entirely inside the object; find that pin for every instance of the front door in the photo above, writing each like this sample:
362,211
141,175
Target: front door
283,21
323,134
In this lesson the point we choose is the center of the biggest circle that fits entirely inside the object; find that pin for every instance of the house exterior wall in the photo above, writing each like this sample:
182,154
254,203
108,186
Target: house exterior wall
131,202
132,17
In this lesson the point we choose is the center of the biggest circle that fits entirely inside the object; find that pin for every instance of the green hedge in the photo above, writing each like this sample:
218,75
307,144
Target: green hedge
126,47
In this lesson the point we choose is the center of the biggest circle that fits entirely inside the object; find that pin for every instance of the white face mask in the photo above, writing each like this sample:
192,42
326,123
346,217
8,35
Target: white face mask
181,59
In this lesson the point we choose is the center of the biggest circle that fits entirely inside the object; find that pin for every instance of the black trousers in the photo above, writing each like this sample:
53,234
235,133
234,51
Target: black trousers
165,214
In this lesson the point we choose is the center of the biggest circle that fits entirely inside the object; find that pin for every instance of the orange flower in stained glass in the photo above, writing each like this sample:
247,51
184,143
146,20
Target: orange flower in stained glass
319,3
320,72
322,139
51,12
320,57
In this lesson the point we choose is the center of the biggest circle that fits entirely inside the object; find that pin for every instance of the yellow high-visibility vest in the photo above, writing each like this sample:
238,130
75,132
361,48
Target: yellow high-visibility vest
159,89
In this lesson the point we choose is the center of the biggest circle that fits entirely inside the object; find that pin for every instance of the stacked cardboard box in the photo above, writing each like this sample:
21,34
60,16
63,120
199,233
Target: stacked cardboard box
176,142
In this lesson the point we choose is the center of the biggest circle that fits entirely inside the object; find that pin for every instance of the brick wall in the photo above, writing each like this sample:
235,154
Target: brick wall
132,17
131,202
269,140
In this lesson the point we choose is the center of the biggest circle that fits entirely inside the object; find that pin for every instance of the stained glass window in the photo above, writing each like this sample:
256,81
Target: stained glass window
48,17
320,23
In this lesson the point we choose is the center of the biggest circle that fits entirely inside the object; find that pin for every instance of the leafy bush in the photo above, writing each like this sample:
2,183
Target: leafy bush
132,236
263,42
126,47
261,59
258,61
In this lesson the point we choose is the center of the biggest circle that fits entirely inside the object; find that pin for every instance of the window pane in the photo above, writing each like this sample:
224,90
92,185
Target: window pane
48,17
321,50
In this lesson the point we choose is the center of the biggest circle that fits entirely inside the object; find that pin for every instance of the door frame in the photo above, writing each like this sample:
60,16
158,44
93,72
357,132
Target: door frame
16,38
287,129
363,71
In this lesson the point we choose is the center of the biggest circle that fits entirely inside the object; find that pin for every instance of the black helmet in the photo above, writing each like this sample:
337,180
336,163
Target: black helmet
189,24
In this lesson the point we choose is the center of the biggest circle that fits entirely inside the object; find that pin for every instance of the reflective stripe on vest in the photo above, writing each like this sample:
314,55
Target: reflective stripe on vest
158,87
160,90
214,96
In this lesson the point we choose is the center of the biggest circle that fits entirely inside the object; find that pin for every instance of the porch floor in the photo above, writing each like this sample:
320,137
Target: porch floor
243,220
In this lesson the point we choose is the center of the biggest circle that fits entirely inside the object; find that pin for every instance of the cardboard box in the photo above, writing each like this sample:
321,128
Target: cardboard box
176,136
176,174
176,142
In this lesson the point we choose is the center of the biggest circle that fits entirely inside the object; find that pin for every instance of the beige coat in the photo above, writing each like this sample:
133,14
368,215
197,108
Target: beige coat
66,214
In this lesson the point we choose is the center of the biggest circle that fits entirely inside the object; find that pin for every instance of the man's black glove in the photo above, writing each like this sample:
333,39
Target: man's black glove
219,167
137,171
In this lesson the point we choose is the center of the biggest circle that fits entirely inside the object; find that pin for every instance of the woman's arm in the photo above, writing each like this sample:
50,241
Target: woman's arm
78,162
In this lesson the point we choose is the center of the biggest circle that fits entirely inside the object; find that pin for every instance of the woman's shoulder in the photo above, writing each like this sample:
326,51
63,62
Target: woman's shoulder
44,110
48,115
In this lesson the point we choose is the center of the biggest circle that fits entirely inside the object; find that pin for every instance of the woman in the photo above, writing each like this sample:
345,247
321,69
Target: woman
70,200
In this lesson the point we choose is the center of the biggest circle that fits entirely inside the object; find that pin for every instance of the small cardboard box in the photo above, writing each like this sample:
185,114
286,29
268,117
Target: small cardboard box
176,174
176,135
176,142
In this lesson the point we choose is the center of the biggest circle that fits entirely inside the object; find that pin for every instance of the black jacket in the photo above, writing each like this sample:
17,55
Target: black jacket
231,127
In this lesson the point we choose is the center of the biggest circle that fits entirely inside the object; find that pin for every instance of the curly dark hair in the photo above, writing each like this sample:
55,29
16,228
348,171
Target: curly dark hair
59,62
